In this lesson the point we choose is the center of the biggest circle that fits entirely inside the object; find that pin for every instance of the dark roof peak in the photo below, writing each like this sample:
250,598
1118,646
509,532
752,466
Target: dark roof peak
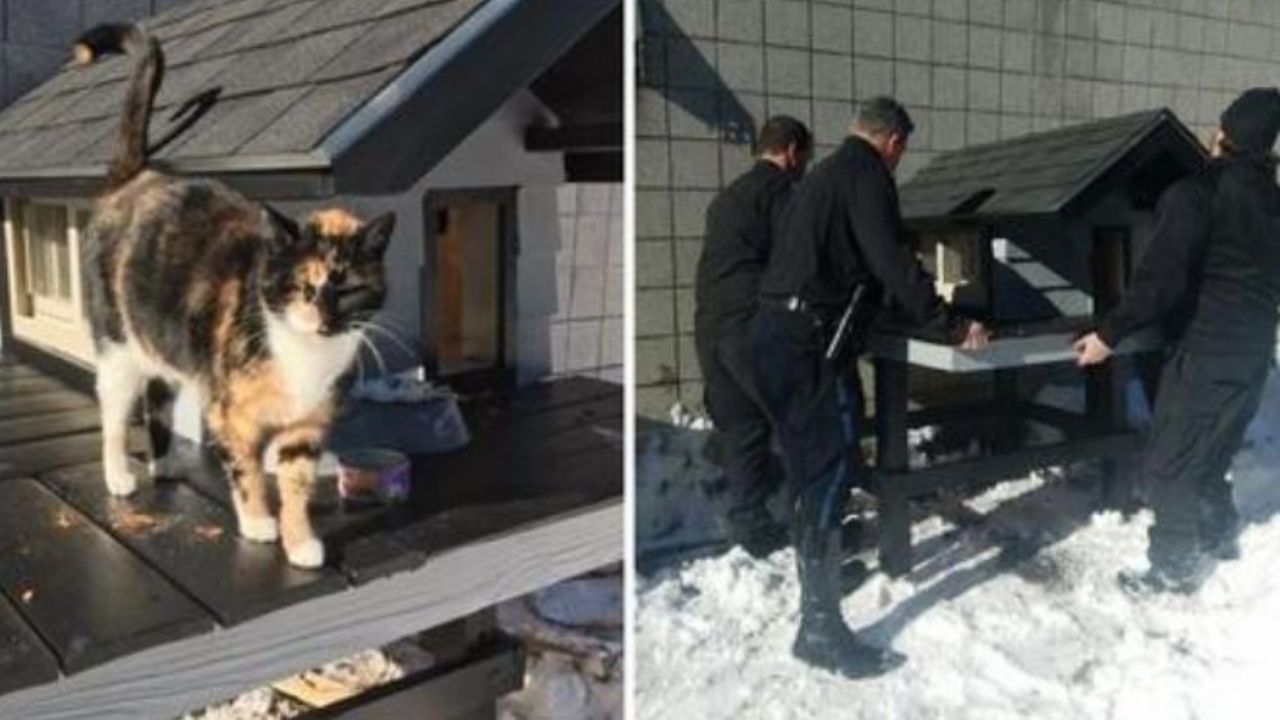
1044,172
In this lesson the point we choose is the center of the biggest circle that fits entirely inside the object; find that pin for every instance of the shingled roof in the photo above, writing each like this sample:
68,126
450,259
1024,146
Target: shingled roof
314,96
1060,171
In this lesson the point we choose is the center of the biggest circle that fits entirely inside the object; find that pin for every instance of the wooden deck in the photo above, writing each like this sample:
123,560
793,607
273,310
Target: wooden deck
153,605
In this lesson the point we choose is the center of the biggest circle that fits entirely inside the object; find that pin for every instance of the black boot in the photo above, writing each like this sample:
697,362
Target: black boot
1180,577
824,640
756,531
1220,528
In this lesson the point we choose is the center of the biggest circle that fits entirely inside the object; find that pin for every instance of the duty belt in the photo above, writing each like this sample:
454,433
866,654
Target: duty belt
799,306
790,303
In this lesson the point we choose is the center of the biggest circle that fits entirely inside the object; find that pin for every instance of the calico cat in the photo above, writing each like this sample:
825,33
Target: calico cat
198,286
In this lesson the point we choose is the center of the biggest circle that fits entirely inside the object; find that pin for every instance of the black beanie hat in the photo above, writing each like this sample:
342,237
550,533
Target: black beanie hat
1253,120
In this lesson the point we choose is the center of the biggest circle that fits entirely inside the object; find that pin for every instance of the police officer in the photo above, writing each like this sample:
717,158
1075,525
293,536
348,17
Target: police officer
1211,275
843,232
742,222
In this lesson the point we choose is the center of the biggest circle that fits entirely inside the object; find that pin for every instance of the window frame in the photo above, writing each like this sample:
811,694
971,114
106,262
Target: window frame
52,324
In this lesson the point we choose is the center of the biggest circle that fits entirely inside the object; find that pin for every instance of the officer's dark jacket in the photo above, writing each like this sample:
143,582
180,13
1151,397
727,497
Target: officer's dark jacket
843,229
742,222
1211,273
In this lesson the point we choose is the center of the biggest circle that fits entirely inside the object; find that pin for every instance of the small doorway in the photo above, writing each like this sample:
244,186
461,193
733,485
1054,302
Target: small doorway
1110,267
468,288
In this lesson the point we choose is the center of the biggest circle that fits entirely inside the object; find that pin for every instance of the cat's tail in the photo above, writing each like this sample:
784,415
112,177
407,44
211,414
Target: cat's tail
131,144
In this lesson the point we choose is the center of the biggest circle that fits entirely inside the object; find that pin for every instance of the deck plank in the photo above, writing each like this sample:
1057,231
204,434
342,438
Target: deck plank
453,514
168,680
545,397
18,387
14,370
48,402
193,542
24,660
49,425
89,597
31,458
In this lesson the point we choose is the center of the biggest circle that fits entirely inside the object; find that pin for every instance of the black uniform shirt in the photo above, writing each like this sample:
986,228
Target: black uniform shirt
843,229
742,223
1212,270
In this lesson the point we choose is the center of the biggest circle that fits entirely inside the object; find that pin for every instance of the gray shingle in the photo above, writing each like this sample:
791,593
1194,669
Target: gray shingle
10,142
220,13
17,112
1034,174
67,146
396,39
185,82
270,27
287,64
312,117
99,102
329,14
234,122
185,49
289,70
32,151
54,110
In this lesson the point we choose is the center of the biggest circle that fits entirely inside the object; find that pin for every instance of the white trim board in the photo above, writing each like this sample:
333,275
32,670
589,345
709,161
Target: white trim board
1001,353
168,680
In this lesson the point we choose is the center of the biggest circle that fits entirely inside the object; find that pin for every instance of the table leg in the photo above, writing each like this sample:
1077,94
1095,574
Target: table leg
891,457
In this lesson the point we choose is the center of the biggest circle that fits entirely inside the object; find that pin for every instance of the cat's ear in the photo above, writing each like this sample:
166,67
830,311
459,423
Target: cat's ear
286,232
376,235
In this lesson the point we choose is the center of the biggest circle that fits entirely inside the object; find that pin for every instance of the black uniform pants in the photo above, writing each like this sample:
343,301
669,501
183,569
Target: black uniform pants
816,408
1202,411
741,443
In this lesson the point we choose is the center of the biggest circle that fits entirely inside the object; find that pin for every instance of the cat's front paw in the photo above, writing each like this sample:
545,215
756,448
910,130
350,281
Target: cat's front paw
307,553
264,529
120,482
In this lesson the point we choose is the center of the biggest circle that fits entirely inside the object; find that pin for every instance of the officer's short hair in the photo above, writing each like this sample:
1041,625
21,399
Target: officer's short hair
781,132
883,115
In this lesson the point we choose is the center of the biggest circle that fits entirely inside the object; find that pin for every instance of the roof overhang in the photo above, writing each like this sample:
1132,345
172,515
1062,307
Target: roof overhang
406,129
420,117
1155,149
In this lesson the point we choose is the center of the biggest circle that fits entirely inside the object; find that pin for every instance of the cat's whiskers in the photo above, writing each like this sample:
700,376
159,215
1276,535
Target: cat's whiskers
373,350
400,343
359,369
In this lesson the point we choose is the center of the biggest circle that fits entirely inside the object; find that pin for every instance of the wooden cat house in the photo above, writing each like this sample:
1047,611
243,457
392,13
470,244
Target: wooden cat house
1037,236
1047,226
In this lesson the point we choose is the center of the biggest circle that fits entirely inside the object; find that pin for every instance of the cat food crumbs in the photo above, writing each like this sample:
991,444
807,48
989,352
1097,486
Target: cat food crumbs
132,521
64,519
28,595
208,532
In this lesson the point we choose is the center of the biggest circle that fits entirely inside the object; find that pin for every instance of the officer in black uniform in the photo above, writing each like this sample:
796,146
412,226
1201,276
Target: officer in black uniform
1211,275
742,222
843,239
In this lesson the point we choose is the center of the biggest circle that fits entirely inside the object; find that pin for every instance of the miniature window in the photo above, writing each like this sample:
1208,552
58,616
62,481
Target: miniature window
954,260
47,304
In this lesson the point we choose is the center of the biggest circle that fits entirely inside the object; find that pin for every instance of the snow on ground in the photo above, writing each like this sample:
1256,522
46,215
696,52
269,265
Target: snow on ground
1019,617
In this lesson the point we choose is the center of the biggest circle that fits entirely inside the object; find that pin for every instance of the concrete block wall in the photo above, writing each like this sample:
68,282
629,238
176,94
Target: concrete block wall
586,330
36,35
971,71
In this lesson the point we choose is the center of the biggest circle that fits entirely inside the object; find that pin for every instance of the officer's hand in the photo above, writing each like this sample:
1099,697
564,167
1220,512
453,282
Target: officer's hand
1090,350
976,337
